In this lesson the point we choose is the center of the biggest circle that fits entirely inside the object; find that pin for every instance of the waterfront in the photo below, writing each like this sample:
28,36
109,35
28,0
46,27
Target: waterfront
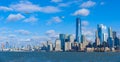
59,57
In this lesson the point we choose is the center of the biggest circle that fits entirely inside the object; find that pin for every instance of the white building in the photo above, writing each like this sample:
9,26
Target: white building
58,45
68,46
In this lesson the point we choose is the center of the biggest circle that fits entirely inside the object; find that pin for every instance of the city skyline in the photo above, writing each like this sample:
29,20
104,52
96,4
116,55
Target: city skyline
44,20
69,43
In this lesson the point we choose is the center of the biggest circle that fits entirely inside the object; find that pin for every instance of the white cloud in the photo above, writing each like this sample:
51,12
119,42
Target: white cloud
82,12
5,8
65,4
15,17
88,33
40,38
85,23
31,19
52,34
88,4
11,35
23,32
25,7
50,9
55,19
56,1
69,3
28,7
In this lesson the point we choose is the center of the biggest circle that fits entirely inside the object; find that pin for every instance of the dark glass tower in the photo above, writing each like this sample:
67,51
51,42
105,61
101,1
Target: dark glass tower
78,29
62,38
110,39
100,33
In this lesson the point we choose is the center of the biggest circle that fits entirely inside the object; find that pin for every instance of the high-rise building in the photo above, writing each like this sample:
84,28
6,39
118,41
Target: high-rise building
62,39
49,46
84,42
71,38
114,34
100,33
78,29
83,39
66,36
110,39
7,45
58,45
104,37
110,34
67,46
116,39
97,40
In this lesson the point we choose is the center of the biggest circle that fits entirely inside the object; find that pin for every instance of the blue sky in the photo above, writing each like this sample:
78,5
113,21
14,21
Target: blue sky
45,19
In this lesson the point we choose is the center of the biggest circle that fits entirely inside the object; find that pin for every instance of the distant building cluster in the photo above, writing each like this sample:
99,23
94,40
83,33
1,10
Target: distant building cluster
79,43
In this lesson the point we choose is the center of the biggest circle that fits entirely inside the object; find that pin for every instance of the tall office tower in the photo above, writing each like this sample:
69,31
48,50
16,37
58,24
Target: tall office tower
58,45
62,39
116,39
49,46
66,36
110,39
100,33
84,41
96,34
114,34
7,45
97,40
68,46
78,29
71,38
104,37
110,34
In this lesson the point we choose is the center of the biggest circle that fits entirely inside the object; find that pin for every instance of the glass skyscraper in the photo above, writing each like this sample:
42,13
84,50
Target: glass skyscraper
110,32
116,39
110,39
100,33
78,29
62,39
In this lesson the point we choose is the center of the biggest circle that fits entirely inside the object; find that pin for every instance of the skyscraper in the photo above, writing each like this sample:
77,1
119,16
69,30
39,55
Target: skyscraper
110,32
49,46
71,38
100,33
110,39
84,41
114,34
97,40
116,39
58,45
7,45
104,37
67,46
78,29
62,39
